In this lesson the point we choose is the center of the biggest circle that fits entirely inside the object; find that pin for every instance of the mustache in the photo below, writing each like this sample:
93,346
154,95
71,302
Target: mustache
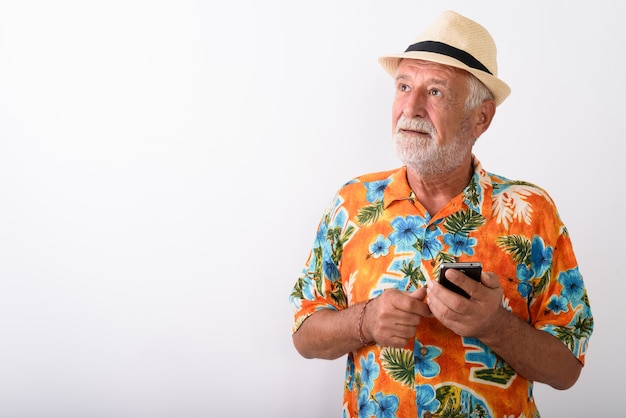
419,125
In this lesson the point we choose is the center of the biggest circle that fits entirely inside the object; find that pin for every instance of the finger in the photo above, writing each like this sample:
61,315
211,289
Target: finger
419,306
463,281
443,302
490,280
418,294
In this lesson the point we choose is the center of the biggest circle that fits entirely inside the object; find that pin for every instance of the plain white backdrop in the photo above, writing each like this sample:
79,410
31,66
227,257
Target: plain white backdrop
164,164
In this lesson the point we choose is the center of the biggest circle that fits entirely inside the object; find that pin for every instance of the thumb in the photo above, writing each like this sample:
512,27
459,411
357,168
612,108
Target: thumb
490,280
419,293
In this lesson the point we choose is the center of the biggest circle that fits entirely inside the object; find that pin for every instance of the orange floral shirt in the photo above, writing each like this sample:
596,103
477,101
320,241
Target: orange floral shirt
375,235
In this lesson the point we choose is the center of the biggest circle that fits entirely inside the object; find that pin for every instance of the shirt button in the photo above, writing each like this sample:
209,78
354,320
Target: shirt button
431,227
423,351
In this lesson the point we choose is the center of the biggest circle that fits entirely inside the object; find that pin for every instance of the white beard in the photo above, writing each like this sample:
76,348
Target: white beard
423,155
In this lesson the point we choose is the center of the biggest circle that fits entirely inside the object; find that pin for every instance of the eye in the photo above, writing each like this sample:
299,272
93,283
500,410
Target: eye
403,87
435,92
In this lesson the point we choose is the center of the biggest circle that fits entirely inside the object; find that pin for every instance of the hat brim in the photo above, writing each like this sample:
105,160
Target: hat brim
498,88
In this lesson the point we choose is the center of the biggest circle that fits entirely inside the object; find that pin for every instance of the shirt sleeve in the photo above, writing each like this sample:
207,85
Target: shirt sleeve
561,305
319,284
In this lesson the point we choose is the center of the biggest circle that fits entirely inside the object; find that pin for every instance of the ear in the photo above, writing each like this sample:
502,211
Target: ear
483,115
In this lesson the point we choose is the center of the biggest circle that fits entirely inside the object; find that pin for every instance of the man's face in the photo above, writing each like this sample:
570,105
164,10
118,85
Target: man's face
432,133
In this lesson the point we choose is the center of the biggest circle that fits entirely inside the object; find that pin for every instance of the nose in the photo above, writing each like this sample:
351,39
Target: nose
414,105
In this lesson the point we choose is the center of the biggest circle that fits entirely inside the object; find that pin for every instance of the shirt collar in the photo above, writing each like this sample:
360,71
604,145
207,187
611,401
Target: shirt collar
476,195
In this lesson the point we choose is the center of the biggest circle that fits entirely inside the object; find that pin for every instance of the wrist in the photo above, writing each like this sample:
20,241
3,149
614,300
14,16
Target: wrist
498,328
359,328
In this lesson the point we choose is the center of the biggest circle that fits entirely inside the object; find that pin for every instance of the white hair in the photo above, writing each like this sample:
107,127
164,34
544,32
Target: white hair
478,93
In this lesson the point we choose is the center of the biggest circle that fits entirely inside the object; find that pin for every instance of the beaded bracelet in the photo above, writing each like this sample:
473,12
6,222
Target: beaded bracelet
359,327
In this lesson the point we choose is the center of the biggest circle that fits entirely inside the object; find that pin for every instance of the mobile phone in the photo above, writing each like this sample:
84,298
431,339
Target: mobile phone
471,269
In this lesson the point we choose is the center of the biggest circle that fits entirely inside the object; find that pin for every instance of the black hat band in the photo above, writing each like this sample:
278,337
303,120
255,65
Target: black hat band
445,49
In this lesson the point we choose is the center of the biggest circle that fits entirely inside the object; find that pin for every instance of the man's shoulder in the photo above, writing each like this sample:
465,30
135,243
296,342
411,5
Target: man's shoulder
507,191
501,183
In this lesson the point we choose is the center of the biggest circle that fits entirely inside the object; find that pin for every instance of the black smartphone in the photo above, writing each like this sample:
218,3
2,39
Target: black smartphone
471,269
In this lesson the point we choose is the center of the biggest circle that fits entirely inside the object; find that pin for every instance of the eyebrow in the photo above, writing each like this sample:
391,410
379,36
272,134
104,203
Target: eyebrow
436,81
400,78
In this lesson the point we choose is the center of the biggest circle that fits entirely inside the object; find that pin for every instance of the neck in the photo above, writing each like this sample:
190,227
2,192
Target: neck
435,191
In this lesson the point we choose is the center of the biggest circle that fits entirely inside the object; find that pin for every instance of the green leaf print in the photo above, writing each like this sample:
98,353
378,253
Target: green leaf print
413,272
338,295
369,214
399,364
517,246
569,336
464,222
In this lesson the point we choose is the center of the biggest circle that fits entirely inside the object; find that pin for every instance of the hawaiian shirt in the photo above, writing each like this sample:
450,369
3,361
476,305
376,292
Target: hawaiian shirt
375,235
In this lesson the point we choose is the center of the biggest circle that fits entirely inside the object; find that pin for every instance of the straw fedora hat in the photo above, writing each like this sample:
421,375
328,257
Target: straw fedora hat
459,42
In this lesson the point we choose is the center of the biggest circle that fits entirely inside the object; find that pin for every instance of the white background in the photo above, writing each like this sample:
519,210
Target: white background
164,164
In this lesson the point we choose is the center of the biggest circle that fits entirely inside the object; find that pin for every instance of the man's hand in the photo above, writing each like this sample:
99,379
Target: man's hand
391,318
472,317
534,354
